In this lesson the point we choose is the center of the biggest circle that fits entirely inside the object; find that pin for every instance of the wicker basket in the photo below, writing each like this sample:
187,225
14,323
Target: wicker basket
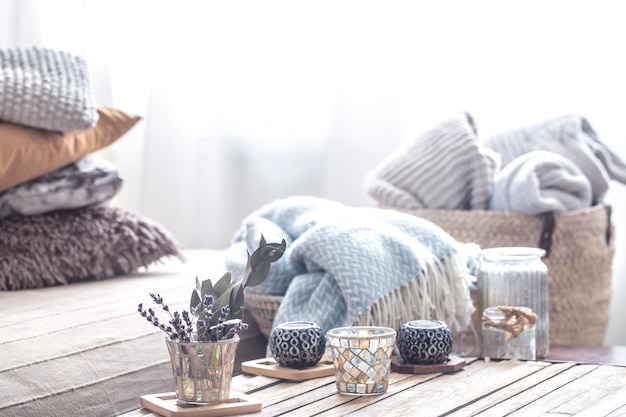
579,252
263,308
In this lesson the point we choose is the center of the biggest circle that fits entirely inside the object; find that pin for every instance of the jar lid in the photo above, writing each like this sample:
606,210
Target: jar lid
512,253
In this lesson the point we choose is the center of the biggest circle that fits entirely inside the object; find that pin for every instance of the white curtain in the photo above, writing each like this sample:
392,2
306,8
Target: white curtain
244,102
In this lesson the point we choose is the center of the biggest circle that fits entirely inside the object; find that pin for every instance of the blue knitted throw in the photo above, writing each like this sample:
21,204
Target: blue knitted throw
356,266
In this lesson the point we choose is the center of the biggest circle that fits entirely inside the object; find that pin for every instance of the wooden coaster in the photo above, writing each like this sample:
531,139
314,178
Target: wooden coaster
454,363
167,405
269,367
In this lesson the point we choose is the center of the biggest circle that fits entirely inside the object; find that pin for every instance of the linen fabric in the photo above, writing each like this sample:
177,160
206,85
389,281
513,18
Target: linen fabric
540,182
27,153
570,136
446,167
46,89
64,246
347,265
90,180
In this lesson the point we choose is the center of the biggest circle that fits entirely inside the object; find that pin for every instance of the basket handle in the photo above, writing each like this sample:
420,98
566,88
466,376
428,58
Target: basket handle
548,224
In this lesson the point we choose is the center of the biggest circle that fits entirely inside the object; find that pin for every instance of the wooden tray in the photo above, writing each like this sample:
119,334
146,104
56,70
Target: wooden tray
167,405
454,363
269,367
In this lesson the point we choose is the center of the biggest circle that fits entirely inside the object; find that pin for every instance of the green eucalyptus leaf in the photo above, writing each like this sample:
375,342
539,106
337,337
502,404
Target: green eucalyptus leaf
237,314
272,252
258,275
236,297
258,265
229,292
222,285
236,302
255,259
220,302
207,288
193,303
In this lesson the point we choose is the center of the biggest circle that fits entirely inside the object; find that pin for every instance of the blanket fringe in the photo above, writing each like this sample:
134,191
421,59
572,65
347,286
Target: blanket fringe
439,292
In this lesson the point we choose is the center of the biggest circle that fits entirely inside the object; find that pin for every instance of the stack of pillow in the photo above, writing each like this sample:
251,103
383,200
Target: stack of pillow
56,224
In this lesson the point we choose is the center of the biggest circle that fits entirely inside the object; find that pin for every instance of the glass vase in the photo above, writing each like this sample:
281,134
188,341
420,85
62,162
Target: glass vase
202,371
516,276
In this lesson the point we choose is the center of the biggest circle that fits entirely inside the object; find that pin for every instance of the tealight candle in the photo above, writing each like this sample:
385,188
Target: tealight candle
297,344
423,342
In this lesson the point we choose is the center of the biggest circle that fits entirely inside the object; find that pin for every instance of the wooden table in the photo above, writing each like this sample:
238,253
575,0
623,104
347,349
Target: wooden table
493,388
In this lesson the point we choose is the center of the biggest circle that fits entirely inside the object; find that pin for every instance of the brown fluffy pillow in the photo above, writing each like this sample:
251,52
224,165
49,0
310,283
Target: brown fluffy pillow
64,246
27,153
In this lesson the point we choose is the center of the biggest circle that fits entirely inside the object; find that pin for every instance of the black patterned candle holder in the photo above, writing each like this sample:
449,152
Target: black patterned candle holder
425,342
297,344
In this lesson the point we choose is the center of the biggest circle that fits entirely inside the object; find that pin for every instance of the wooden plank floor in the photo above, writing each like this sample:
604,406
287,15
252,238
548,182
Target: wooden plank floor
483,388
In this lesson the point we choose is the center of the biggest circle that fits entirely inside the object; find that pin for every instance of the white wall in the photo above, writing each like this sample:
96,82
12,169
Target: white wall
353,79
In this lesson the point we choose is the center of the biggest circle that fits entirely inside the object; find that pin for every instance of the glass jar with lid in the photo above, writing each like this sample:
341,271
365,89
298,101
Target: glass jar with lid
516,276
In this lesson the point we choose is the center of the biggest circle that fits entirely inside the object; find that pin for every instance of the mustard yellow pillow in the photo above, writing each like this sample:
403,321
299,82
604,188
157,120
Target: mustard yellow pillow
27,153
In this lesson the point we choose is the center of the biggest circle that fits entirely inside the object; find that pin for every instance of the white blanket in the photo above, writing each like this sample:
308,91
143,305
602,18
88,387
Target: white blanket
570,136
540,182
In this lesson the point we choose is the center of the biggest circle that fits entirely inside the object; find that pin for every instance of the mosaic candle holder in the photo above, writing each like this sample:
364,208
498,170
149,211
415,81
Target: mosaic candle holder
422,342
203,371
297,344
362,358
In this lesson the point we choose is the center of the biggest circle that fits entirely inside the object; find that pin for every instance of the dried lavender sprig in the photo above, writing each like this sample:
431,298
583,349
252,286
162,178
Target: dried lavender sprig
159,301
224,313
181,324
150,316
236,328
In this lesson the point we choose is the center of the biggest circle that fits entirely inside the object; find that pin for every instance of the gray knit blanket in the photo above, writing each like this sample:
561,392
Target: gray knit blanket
540,182
346,265
572,137
445,167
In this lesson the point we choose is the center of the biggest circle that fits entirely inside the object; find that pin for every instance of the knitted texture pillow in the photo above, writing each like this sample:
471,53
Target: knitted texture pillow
46,89
70,245
88,181
27,153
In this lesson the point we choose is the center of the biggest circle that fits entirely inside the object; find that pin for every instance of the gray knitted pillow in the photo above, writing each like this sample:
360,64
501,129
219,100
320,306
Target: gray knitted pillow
46,89
88,181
